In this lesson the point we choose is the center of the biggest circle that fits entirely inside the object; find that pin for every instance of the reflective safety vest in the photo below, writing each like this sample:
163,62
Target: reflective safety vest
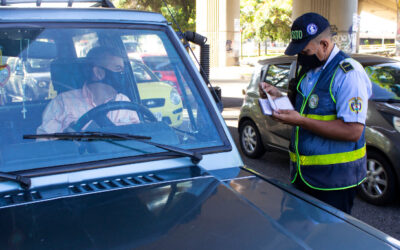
320,162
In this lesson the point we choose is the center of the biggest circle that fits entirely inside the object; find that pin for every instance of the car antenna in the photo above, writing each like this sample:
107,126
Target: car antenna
199,40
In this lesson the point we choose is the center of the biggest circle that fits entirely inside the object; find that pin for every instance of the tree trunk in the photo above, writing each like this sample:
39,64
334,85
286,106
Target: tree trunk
266,47
259,49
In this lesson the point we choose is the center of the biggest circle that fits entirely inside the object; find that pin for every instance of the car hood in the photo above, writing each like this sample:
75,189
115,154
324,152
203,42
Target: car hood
196,213
148,88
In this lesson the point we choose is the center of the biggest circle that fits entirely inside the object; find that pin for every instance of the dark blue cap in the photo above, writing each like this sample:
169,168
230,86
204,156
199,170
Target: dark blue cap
304,29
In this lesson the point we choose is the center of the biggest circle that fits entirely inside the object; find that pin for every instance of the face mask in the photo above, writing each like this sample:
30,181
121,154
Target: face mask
115,79
310,62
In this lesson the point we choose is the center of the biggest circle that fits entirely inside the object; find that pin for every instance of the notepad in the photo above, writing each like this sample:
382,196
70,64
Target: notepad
269,105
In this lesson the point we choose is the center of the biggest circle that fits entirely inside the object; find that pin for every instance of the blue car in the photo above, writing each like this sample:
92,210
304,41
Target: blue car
77,177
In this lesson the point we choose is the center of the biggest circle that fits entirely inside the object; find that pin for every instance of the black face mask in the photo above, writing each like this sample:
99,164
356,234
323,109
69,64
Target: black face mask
115,79
309,62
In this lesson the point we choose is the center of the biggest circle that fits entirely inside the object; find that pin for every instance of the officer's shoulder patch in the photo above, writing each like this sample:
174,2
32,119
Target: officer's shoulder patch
346,66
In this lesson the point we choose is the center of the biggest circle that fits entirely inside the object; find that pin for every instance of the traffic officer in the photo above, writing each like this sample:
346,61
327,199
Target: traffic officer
327,149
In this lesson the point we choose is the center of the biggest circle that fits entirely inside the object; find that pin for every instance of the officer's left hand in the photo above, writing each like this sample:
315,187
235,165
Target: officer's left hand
291,117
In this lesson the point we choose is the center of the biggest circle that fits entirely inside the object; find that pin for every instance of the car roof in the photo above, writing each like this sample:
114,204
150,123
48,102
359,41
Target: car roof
92,15
364,59
278,59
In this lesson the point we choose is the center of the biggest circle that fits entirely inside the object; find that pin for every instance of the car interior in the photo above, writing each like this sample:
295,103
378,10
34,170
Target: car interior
68,71
64,52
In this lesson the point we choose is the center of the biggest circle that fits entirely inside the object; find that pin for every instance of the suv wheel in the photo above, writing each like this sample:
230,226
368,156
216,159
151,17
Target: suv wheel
380,186
250,140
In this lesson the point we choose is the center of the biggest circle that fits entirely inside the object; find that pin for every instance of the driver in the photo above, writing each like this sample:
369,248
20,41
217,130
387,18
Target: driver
106,69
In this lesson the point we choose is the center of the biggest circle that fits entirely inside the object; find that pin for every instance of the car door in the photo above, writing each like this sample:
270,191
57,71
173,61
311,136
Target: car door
278,75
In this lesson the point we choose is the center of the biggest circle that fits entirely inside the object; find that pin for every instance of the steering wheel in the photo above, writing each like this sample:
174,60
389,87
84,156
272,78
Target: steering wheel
99,114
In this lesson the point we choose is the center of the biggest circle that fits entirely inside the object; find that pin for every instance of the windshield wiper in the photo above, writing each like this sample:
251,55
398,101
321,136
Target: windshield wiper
388,100
90,136
24,182
86,136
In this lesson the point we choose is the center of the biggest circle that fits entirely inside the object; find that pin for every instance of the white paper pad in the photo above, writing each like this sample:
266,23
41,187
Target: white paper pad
280,103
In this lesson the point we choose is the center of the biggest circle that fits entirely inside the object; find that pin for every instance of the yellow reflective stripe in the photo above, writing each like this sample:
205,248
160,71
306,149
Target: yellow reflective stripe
329,159
321,117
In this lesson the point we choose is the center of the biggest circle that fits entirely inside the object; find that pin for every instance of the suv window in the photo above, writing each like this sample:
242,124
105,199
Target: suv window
29,78
84,42
278,75
171,113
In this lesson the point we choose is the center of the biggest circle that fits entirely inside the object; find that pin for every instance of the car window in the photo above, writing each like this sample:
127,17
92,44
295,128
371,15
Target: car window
278,75
157,62
52,62
33,65
255,79
142,72
385,80
84,42
29,78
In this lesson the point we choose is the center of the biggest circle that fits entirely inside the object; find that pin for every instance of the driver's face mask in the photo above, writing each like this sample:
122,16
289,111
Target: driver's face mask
115,79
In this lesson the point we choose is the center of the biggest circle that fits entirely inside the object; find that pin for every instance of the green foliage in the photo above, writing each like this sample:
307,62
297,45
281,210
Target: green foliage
262,19
184,11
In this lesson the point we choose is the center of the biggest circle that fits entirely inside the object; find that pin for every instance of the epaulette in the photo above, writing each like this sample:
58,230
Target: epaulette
346,66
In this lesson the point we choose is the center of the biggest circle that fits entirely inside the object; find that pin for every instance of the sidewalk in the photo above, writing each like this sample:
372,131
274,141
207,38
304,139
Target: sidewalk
232,80
231,74
240,73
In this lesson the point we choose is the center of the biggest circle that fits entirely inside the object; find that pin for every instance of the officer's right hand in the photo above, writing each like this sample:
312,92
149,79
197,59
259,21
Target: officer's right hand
271,90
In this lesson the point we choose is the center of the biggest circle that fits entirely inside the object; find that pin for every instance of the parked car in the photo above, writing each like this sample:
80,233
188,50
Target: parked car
259,133
30,79
160,64
161,98
147,185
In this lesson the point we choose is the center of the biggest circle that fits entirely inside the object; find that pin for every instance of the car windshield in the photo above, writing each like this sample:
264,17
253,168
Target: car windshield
385,80
51,77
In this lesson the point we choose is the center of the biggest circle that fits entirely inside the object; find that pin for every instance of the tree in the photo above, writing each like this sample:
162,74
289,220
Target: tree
262,19
184,11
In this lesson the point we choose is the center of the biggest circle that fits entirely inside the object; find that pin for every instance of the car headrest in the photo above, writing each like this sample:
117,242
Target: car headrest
68,74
